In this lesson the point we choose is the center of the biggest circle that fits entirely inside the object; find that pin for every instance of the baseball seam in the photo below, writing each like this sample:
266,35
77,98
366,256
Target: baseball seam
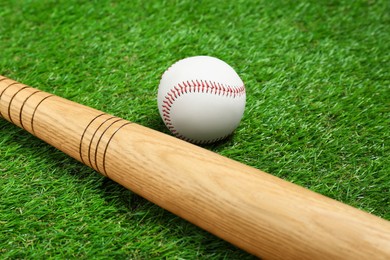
196,86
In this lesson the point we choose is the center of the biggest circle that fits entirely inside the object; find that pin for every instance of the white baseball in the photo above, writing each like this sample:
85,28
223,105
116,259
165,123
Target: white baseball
201,99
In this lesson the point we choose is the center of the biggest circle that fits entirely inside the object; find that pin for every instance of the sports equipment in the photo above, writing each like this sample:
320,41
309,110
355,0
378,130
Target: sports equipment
201,99
253,210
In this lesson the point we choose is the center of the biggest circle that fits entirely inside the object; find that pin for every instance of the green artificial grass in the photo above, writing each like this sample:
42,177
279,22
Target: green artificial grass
318,112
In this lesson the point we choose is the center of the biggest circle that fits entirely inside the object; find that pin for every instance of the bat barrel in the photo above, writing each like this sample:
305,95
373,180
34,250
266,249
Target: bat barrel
253,210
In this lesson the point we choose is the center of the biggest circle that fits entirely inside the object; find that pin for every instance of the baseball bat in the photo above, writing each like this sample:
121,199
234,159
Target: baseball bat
260,213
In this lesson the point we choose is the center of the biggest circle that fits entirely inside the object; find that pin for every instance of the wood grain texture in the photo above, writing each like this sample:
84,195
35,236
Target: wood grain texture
253,210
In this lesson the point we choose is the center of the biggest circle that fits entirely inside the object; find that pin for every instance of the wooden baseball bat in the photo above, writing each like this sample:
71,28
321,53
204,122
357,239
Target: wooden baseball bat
260,213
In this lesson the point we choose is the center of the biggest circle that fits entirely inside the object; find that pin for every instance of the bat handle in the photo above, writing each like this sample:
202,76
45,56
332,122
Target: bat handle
19,103
43,115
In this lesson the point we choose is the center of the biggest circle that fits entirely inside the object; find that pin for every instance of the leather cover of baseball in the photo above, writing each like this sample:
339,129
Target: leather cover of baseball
201,99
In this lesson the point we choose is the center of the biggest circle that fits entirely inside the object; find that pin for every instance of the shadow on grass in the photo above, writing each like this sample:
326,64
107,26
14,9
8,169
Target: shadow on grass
156,123
174,227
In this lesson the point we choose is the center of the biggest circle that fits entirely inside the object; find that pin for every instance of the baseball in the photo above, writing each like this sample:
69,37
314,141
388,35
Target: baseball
201,99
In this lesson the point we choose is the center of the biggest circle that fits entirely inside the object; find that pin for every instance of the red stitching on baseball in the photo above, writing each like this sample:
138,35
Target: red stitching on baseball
175,92
207,87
